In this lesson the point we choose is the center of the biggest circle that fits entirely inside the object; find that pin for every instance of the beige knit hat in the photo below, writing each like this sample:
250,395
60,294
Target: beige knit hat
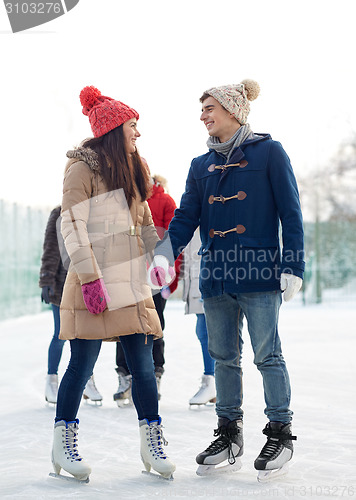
235,98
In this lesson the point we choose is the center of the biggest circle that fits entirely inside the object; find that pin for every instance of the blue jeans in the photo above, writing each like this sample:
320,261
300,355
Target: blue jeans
224,315
84,353
202,334
56,346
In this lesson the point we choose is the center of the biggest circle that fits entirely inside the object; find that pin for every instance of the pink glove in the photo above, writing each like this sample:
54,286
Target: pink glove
165,292
95,296
160,273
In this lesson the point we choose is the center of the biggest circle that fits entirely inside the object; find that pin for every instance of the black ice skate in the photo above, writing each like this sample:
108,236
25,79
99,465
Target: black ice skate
227,447
274,457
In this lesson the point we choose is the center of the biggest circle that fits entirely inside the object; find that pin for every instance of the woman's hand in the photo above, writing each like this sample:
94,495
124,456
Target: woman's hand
160,273
95,296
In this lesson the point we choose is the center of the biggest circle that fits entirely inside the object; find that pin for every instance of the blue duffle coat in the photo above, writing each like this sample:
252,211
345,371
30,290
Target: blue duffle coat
249,216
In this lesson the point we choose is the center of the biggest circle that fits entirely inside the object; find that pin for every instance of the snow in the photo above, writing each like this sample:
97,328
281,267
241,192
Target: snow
318,344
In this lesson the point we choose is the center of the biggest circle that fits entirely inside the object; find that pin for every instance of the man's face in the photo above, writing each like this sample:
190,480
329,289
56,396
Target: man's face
218,121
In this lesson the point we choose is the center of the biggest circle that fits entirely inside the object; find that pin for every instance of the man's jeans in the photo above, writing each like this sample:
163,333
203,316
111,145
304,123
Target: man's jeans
224,316
84,353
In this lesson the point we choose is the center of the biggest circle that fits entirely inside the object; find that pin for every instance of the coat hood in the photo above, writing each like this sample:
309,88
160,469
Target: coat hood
89,156
157,189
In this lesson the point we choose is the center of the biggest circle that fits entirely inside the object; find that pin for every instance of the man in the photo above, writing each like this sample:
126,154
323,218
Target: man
242,193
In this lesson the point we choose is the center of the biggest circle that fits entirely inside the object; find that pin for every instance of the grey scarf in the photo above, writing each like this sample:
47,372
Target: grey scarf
226,148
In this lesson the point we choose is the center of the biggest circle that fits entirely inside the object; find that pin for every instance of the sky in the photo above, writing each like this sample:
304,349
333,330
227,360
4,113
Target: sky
158,57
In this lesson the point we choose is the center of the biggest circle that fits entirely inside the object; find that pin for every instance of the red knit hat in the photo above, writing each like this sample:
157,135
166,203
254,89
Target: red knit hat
104,113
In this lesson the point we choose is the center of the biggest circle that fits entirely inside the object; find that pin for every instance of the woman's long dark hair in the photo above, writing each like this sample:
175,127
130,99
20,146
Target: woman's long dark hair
116,169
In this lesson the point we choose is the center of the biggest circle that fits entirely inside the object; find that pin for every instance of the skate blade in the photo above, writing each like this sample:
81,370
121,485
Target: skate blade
124,403
157,475
69,478
269,475
92,402
50,403
210,470
201,406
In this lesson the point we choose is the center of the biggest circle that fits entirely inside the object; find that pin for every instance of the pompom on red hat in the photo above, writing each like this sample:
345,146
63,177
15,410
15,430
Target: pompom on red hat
104,113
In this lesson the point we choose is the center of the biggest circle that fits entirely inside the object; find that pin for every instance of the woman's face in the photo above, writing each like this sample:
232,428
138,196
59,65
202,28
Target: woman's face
130,135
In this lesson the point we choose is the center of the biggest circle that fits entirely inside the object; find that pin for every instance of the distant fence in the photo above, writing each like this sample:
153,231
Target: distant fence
21,240
330,255
331,262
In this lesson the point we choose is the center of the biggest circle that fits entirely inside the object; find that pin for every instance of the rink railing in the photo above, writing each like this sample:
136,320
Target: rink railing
330,260
22,232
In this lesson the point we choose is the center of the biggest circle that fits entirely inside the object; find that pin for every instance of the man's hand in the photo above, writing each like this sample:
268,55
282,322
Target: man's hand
290,285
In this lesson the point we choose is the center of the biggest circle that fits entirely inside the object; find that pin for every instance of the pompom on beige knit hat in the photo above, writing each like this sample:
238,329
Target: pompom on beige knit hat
235,98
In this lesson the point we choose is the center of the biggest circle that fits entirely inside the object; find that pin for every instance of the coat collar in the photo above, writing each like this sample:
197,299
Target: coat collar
87,155
237,155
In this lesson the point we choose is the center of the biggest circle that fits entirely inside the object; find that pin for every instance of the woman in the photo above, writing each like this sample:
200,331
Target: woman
52,277
108,233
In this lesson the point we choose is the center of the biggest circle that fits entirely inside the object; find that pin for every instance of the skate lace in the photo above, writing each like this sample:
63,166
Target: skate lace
71,443
157,439
274,443
200,390
223,441
271,448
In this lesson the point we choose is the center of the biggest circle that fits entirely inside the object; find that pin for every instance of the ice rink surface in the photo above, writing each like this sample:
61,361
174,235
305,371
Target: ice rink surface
319,345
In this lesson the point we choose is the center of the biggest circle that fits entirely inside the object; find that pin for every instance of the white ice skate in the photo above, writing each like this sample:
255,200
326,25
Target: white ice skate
152,453
206,393
123,396
51,388
223,454
65,454
158,381
273,461
91,393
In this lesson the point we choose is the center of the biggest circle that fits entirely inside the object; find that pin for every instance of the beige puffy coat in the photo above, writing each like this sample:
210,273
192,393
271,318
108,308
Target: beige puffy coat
105,239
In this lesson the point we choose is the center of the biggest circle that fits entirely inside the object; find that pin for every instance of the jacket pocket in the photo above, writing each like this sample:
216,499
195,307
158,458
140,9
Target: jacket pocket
259,261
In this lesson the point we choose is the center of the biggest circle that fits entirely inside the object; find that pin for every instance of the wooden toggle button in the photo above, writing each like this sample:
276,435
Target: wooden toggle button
241,195
240,229
211,167
243,164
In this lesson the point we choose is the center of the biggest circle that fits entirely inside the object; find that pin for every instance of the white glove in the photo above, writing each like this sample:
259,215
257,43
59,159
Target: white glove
160,273
290,285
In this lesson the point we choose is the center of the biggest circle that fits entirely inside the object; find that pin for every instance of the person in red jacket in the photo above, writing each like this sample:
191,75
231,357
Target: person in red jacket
162,207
